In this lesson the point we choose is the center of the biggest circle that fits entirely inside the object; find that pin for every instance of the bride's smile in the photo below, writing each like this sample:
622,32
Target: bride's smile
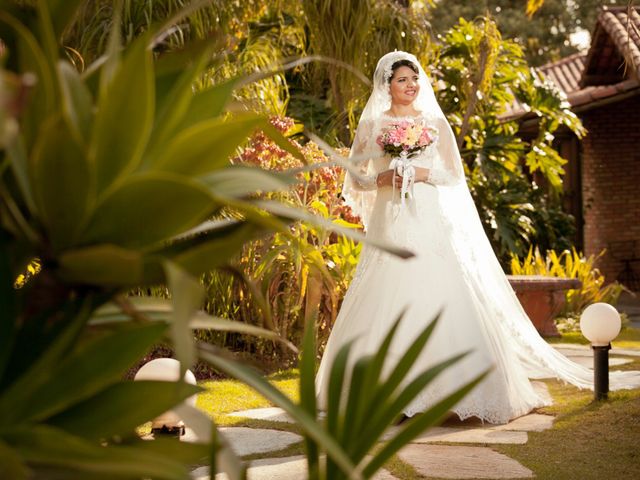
404,86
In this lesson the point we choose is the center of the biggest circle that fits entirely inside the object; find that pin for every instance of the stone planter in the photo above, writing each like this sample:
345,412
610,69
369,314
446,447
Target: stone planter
542,298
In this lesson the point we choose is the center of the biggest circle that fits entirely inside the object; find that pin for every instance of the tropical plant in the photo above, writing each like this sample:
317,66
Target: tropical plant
258,35
483,76
271,280
545,35
362,402
106,178
570,264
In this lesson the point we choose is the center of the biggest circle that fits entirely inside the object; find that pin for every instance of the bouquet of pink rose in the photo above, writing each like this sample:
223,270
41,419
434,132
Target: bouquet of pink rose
406,137
404,140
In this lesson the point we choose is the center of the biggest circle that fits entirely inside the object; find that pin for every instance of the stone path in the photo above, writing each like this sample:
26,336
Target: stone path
429,454
272,414
248,441
285,468
436,453
444,461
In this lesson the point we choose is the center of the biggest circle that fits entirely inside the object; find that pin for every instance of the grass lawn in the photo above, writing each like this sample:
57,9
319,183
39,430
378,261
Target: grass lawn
587,441
227,396
629,338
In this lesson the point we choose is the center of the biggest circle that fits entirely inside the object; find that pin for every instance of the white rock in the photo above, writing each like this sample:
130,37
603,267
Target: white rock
273,414
534,422
247,441
471,435
285,468
446,461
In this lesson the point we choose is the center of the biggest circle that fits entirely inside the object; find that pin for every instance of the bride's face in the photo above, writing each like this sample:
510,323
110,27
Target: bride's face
404,86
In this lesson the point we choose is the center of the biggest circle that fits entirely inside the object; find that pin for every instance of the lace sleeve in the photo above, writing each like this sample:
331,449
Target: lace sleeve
447,165
359,189
362,144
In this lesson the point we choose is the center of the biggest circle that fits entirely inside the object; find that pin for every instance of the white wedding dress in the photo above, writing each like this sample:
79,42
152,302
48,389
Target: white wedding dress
454,271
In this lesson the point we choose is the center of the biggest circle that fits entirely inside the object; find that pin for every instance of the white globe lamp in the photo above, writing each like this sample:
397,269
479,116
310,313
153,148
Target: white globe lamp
167,370
600,323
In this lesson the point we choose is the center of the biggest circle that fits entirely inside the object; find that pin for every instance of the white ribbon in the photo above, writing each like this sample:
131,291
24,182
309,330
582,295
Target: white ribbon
402,166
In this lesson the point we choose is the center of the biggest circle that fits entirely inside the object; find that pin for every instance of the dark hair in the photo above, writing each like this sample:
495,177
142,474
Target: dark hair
402,63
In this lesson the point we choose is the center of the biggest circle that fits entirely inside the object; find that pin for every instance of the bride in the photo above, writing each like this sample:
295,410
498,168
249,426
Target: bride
430,211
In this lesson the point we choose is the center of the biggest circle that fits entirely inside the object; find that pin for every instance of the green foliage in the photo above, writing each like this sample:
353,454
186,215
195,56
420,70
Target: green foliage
250,36
361,403
570,264
543,29
483,76
276,281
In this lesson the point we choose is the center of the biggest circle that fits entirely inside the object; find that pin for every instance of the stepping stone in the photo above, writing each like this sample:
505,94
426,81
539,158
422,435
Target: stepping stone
443,461
273,414
586,360
247,441
286,468
534,422
471,435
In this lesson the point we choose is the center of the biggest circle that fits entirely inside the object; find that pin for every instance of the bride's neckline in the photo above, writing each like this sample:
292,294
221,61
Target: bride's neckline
402,117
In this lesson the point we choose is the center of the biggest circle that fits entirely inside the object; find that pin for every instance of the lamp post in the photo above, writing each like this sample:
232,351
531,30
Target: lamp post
600,324
167,370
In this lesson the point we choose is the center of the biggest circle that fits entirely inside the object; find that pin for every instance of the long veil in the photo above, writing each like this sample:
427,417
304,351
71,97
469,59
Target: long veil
505,320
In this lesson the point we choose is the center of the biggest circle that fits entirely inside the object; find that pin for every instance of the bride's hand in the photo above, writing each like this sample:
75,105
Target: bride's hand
385,179
422,174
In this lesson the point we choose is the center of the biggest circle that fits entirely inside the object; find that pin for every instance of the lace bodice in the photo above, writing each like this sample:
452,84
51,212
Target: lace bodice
368,158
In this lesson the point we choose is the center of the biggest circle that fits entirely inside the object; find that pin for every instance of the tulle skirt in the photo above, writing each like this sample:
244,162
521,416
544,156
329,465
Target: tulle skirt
431,282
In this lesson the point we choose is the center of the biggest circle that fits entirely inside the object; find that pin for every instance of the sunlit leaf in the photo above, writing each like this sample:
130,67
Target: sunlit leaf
48,446
174,103
148,208
239,181
77,102
62,178
262,386
11,464
206,146
187,295
124,116
84,372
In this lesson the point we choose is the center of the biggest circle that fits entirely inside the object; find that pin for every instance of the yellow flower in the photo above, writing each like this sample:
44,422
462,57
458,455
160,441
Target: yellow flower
412,135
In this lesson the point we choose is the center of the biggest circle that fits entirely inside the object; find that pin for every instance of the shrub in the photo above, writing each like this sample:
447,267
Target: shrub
278,281
570,264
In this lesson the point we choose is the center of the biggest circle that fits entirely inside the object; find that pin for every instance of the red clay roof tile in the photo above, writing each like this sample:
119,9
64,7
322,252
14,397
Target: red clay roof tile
601,72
